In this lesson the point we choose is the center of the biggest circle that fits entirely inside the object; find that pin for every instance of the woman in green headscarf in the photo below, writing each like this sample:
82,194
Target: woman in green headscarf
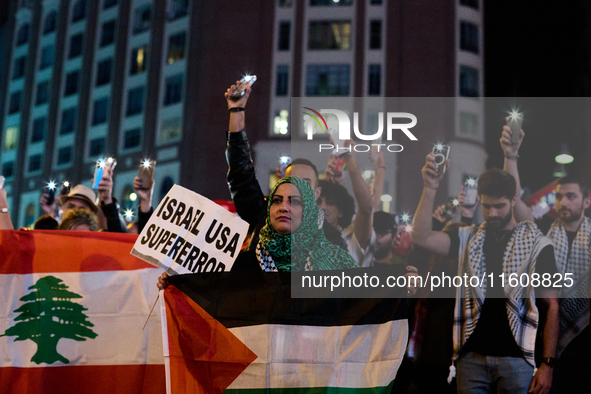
291,239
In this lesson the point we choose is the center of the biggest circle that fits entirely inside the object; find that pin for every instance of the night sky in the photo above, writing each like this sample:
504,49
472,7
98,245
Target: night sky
537,49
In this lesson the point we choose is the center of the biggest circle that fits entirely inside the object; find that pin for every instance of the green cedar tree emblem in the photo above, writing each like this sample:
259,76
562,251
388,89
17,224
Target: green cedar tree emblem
48,316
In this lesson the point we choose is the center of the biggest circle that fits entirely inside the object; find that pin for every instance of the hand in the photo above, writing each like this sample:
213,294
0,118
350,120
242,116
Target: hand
542,380
145,195
46,208
105,187
380,160
162,281
396,242
411,272
467,212
510,149
329,174
241,102
431,176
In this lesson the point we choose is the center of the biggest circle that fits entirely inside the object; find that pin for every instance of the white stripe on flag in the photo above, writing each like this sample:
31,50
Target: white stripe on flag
308,356
117,302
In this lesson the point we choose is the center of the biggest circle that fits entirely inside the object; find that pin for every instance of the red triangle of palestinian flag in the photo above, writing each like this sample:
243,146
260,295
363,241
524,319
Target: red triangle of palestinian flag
204,356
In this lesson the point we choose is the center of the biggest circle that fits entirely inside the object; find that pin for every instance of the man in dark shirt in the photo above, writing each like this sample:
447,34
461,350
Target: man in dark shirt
571,235
495,325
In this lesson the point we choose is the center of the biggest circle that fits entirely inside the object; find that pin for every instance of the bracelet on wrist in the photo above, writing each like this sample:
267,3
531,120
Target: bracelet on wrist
236,109
512,157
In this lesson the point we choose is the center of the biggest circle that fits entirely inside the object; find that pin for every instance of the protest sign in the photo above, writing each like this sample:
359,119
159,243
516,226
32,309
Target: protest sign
188,233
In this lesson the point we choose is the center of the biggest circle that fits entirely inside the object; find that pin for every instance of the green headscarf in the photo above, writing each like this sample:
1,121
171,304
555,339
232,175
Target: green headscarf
291,251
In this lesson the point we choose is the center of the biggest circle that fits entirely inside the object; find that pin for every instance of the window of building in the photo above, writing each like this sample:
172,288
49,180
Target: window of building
79,10
176,47
8,169
68,122
330,35
469,124
75,46
11,137
282,80
285,3
469,82
35,162
71,83
284,32
50,22
42,95
374,80
281,122
139,60
328,80
22,35
103,72
132,138
469,37
375,34
173,89
47,56
14,104
18,70
64,155
100,111
177,9
171,129
107,33
109,3
97,147
331,2
375,2
38,133
470,3
141,18
135,101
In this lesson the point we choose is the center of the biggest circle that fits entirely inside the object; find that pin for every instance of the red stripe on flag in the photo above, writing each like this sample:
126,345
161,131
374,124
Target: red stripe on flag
128,379
204,356
26,252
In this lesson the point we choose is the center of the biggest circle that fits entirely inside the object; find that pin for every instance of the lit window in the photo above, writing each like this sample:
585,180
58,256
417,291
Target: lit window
281,122
330,35
176,47
171,129
139,60
469,124
11,137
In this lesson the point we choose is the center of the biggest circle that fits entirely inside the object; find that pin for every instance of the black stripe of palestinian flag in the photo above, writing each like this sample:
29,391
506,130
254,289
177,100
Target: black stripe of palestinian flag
248,335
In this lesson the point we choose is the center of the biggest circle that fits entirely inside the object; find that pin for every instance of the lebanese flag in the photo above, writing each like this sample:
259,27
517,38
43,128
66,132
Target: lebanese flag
230,332
72,308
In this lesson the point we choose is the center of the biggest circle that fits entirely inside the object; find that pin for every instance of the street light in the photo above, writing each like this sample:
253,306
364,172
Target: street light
564,156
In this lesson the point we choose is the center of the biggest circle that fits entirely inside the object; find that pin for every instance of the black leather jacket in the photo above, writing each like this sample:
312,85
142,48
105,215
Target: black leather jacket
250,202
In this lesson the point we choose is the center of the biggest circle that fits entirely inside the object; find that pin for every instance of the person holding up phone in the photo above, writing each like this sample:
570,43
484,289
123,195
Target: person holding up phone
5,221
144,188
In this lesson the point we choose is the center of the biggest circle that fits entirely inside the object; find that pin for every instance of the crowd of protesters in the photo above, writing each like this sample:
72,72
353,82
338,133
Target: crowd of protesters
463,339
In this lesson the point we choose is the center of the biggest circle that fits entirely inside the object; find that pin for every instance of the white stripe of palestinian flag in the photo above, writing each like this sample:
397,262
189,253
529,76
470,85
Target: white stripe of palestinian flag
117,303
307,356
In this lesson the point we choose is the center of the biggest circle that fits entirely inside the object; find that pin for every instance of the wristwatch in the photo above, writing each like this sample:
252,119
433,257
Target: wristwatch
549,361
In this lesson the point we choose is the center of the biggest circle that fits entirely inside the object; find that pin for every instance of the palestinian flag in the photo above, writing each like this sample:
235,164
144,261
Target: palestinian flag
242,332
72,308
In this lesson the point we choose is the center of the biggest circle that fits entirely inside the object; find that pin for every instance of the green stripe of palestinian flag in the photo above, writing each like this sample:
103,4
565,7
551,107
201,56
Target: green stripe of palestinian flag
253,337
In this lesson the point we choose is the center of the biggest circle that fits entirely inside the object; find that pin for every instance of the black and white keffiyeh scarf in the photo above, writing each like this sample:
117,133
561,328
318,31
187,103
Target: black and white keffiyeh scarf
574,302
526,242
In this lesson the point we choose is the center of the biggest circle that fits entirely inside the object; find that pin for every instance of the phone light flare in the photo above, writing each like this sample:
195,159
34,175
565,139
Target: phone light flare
408,228
146,163
66,184
543,205
284,159
405,217
51,185
128,215
455,202
471,182
439,147
110,160
102,164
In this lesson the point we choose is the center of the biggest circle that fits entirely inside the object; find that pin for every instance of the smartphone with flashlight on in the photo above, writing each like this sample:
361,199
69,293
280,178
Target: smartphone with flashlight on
146,173
470,188
239,90
99,170
441,153
50,194
515,123
2,179
284,161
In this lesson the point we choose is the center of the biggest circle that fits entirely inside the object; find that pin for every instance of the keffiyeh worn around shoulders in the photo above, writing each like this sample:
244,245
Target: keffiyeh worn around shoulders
305,249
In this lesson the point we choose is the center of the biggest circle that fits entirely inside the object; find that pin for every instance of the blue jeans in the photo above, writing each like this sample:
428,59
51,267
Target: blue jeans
486,374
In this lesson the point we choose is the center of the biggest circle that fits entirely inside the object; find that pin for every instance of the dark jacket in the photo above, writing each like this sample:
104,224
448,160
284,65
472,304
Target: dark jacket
250,202
115,222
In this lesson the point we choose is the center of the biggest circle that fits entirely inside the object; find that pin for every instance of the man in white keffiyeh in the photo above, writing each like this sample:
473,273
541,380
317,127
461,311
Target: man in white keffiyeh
495,326
571,235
